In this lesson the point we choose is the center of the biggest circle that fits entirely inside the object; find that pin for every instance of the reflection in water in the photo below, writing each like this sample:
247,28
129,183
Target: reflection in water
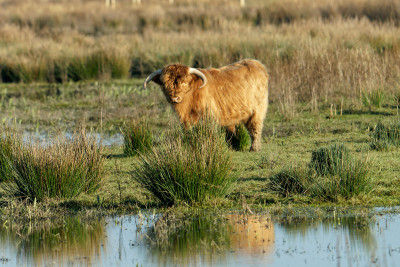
206,239
357,229
71,240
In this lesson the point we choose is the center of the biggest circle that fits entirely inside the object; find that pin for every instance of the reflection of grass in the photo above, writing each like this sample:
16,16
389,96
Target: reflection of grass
358,228
59,241
180,236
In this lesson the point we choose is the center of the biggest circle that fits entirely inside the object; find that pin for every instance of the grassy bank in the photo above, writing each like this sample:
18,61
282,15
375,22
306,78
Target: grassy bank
334,69
285,144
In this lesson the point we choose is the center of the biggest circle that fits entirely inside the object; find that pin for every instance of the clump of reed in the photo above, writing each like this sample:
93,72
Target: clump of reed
386,135
373,98
292,180
240,140
138,137
332,174
192,166
7,143
329,160
63,168
341,175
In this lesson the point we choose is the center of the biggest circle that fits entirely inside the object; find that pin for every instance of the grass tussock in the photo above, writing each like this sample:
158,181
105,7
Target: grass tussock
386,135
292,180
138,138
61,169
192,167
329,160
332,174
8,143
240,140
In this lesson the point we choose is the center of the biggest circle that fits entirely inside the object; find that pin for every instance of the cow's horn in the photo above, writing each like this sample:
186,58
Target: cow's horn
200,74
151,77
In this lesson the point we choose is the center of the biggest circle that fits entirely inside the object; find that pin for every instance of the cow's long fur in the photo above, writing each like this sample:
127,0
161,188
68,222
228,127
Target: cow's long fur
233,94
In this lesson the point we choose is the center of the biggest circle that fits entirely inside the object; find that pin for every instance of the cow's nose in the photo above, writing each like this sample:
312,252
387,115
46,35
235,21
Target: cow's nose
176,99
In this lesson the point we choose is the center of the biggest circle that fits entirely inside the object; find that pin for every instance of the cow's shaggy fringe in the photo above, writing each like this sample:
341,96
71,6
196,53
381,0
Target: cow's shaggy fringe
191,167
385,135
137,138
62,169
332,174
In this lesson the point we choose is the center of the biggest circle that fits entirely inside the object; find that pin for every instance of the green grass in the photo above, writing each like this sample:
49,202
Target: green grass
329,160
63,168
332,174
374,98
138,138
385,135
191,167
292,180
240,140
8,143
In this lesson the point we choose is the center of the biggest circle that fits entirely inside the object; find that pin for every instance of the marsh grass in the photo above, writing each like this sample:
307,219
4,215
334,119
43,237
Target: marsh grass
61,169
8,142
292,180
352,179
341,174
240,140
332,174
138,138
330,160
373,98
386,135
193,166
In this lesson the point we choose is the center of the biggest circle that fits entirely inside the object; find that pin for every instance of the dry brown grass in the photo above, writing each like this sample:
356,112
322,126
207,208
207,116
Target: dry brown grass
317,52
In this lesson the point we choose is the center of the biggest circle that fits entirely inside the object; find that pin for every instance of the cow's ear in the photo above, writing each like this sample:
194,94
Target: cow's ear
196,82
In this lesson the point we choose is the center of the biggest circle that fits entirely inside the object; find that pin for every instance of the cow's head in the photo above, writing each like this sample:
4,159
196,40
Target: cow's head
176,80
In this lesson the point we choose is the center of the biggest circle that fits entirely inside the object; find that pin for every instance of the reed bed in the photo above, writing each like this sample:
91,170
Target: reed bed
316,52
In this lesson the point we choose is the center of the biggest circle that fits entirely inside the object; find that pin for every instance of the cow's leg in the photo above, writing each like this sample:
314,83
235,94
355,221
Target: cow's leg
254,125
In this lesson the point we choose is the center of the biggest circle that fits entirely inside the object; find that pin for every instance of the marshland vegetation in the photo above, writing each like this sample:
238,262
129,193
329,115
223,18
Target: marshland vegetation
335,79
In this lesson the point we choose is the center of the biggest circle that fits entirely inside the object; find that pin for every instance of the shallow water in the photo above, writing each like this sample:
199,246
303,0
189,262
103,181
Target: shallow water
227,240
104,139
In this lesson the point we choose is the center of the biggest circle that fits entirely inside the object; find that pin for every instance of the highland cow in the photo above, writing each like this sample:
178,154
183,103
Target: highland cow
237,93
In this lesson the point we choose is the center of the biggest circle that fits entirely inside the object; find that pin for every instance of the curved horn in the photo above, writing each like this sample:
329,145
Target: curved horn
200,75
151,77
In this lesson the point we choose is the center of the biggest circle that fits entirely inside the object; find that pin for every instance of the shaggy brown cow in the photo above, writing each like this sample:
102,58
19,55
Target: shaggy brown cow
233,94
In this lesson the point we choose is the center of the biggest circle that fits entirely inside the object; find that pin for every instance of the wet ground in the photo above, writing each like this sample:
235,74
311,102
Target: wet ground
217,240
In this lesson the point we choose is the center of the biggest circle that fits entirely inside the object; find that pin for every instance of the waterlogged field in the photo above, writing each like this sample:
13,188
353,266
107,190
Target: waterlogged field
81,138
